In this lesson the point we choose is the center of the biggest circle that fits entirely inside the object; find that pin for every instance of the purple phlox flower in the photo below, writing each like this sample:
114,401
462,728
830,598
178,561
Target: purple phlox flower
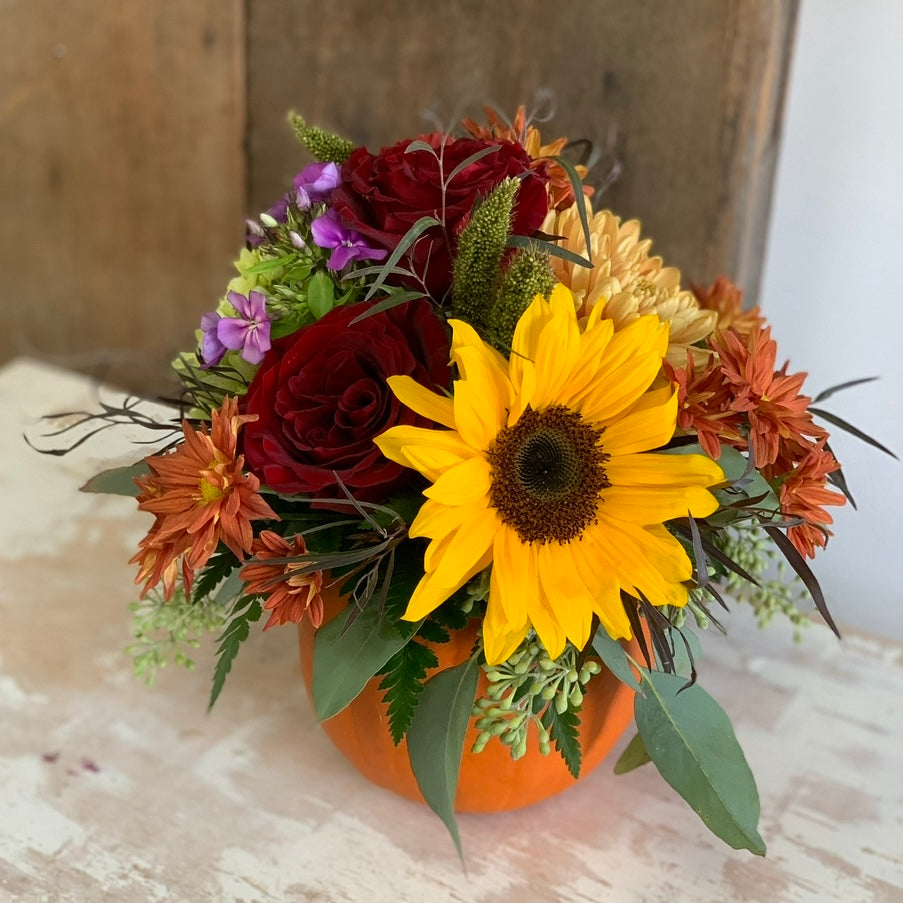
315,183
329,232
249,332
256,232
212,349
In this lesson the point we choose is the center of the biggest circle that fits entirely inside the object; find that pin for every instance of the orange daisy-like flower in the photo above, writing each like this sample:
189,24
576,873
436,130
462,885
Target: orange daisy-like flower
804,494
704,405
200,496
289,595
561,192
726,299
771,398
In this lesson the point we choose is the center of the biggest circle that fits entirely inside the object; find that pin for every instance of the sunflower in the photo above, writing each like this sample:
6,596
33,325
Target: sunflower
543,473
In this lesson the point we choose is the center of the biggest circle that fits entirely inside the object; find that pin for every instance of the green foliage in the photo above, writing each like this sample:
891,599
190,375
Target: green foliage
436,738
634,756
244,612
164,631
325,146
563,729
117,480
403,682
217,569
779,590
614,657
481,247
690,739
529,274
521,692
347,653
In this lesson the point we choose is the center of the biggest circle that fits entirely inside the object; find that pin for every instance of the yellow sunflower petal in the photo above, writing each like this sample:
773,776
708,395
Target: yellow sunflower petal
641,430
656,504
523,349
466,552
632,360
483,396
435,519
463,484
500,637
420,399
569,598
515,580
557,349
604,588
430,452
663,470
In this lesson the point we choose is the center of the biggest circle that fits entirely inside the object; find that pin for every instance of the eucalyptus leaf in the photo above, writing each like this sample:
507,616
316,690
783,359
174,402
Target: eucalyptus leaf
634,756
344,660
117,480
473,158
615,658
690,739
436,738
524,241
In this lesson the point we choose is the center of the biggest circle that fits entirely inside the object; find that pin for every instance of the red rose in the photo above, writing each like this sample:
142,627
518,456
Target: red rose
321,398
383,195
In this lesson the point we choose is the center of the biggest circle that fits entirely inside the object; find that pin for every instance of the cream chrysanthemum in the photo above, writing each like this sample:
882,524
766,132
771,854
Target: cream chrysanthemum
544,473
624,279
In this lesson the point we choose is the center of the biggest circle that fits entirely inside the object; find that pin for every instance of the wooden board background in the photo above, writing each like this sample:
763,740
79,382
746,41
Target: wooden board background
137,136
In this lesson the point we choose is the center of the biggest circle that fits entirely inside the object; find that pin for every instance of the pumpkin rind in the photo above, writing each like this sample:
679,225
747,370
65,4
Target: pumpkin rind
490,781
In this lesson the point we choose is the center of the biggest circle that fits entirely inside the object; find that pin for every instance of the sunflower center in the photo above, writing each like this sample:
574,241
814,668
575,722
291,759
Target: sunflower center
547,473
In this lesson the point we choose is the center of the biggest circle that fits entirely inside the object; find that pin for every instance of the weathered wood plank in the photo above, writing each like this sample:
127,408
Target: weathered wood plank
690,92
121,173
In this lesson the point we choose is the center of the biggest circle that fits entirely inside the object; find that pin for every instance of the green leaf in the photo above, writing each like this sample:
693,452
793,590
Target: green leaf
393,300
478,155
405,674
117,480
436,738
523,241
347,656
634,756
320,294
564,730
243,614
424,223
420,145
218,568
615,658
690,739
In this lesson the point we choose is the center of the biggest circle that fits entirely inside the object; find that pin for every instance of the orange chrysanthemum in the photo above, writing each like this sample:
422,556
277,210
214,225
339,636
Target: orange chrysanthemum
726,299
771,398
704,405
289,595
200,496
561,192
804,494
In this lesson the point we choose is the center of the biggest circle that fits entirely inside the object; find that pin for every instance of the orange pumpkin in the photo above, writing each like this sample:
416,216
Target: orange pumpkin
490,781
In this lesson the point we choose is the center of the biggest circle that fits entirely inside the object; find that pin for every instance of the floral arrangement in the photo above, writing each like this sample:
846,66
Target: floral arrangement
447,388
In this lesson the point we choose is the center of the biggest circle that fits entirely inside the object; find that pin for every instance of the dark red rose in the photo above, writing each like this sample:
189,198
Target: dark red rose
321,398
383,195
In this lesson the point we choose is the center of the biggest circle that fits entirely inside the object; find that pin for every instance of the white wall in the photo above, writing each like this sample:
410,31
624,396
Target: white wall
833,282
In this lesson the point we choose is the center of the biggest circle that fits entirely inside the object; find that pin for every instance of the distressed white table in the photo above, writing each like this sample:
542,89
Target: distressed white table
110,791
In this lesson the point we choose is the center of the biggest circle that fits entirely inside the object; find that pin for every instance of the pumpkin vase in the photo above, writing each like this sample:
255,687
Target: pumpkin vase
491,780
